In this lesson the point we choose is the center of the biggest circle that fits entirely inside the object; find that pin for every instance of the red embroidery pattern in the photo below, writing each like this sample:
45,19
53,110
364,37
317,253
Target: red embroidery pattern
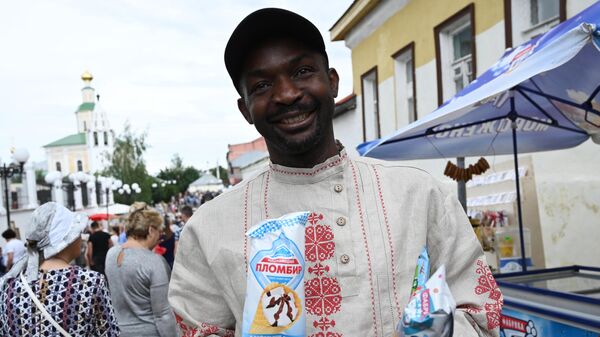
203,330
322,296
324,324
246,226
326,334
318,269
313,218
322,292
319,243
312,173
393,263
486,284
266,194
364,233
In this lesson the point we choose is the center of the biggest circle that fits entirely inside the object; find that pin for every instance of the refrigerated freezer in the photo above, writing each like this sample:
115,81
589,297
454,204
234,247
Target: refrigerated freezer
558,302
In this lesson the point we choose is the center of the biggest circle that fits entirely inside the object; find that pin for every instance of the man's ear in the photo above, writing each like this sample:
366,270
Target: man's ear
334,81
244,110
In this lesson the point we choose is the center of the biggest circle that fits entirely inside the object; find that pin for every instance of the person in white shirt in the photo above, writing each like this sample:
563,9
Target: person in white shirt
13,250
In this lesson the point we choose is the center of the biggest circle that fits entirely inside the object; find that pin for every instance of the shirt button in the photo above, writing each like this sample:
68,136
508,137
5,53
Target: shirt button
341,221
344,259
338,188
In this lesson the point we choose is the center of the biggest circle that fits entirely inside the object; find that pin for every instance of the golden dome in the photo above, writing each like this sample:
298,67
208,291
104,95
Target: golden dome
86,76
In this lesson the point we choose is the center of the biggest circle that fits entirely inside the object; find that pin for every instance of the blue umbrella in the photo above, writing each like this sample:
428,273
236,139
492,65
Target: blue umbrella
539,96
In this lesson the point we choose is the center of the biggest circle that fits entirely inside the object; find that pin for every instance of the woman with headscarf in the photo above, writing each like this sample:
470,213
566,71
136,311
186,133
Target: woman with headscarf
139,279
44,295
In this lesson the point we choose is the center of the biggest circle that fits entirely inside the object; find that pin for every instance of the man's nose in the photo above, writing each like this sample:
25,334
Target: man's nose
286,91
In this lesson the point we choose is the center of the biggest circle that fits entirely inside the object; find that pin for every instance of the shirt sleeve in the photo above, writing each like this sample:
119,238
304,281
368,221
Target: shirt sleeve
195,294
159,288
478,299
105,321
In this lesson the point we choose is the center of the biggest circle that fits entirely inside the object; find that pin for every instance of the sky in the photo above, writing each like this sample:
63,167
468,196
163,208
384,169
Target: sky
156,64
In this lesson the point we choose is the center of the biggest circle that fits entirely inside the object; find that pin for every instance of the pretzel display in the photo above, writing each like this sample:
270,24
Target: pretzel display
466,174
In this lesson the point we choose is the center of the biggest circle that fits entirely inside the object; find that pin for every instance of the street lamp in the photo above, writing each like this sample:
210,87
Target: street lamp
20,156
133,189
161,183
109,183
55,178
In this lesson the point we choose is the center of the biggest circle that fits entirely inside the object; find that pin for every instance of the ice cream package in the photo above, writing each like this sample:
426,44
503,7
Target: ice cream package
430,310
274,303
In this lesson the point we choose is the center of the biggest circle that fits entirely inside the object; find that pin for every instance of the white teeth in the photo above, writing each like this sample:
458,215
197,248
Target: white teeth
296,119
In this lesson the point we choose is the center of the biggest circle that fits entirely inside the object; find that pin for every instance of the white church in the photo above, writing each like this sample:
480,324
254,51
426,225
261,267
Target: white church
84,151
78,158
73,164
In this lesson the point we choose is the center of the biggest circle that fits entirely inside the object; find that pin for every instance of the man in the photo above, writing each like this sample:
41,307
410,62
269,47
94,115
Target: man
183,217
98,245
13,250
370,219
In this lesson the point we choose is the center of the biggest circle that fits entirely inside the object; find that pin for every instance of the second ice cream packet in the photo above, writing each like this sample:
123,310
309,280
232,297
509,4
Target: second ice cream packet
275,281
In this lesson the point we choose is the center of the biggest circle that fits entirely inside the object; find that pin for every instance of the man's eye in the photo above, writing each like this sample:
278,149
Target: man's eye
304,71
260,87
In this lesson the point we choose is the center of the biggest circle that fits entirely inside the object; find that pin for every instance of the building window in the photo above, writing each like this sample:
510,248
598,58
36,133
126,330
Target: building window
58,166
84,126
404,78
455,53
370,106
543,10
95,138
79,165
526,19
462,65
105,138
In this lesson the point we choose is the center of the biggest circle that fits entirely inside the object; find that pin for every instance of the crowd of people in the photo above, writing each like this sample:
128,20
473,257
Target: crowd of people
91,278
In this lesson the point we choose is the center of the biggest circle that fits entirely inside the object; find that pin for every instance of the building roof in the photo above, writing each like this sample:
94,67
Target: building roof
344,105
86,107
249,158
207,179
237,150
76,139
353,15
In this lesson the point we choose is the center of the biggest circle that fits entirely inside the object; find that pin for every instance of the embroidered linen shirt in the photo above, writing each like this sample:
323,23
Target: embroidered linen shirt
370,220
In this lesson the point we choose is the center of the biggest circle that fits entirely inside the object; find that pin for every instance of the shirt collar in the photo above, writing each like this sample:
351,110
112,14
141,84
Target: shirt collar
295,175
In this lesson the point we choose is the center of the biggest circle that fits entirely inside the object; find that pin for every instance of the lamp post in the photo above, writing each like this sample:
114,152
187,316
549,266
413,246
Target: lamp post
77,179
161,183
108,184
55,178
130,190
20,156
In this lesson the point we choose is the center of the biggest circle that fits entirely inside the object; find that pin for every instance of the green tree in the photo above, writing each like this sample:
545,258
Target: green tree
183,175
127,164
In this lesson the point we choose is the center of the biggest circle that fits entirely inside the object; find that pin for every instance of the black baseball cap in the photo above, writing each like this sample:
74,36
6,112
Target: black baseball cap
264,24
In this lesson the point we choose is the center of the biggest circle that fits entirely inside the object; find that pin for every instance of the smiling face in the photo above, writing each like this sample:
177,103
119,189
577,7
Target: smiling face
288,94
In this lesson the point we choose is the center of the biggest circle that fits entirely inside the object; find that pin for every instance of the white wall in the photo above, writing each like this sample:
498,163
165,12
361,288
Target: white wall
348,127
576,6
490,46
426,89
387,109
568,188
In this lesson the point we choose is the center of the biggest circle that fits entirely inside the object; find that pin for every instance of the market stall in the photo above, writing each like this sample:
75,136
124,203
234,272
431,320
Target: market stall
540,96
559,302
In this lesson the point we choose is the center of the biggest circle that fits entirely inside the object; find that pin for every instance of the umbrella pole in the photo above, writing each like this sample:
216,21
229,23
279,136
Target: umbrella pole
461,185
519,213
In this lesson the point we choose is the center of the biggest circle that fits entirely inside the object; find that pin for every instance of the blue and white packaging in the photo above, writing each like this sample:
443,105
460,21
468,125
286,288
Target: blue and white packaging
274,303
